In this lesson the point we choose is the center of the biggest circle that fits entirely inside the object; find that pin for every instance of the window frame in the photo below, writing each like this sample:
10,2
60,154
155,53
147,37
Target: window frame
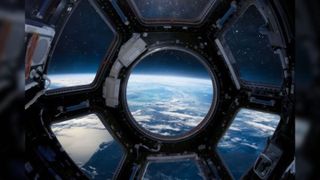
100,117
228,127
107,55
195,130
231,61
166,21
168,159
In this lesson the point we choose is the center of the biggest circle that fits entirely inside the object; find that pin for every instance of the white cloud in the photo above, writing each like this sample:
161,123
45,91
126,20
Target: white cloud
169,100
81,137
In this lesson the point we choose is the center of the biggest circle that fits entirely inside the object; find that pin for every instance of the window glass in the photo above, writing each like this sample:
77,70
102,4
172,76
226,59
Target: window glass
171,10
245,139
90,146
82,47
254,56
169,92
175,169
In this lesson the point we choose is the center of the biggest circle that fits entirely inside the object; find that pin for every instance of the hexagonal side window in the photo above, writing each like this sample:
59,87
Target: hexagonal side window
81,47
173,11
172,168
245,139
90,146
250,51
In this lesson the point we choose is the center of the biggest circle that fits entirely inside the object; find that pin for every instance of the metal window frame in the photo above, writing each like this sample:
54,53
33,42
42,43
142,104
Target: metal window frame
171,158
227,128
106,56
163,21
193,131
265,12
107,128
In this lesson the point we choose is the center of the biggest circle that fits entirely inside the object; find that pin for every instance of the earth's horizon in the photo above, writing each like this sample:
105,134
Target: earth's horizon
169,105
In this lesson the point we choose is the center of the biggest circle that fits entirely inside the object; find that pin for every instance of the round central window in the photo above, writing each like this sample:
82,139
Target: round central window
170,93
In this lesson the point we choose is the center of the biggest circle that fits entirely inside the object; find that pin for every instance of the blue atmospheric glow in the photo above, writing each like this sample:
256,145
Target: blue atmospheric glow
69,80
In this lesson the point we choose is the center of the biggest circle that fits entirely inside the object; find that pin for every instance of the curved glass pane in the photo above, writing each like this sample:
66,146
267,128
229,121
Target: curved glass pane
172,10
169,92
81,48
175,169
90,146
245,139
253,54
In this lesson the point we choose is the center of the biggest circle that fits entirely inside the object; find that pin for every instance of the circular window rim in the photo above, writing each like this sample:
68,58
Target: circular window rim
195,130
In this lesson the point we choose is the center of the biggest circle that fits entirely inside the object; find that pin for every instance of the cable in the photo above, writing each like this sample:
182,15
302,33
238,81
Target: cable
33,100
150,149
40,93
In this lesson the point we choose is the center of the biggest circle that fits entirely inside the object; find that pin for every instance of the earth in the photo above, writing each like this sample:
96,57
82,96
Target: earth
168,107
245,139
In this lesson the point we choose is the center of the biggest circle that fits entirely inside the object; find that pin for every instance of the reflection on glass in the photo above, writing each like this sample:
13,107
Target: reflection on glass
252,51
175,169
90,146
81,48
169,92
302,128
189,10
245,139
